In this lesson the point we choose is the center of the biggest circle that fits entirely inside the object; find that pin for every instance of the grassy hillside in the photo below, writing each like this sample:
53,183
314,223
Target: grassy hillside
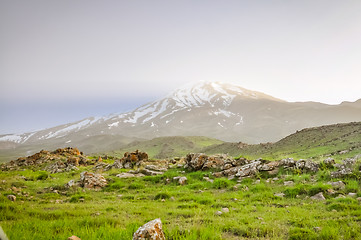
167,147
338,141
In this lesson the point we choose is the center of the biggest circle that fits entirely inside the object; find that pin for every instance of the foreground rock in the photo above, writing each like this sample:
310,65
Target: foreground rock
150,231
92,180
88,180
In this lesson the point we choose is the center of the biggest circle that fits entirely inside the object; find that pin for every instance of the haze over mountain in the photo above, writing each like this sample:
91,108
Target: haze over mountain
214,109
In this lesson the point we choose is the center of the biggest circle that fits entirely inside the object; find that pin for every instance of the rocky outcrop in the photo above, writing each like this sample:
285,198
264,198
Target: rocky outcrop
88,180
307,165
61,159
200,161
129,161
132,159
92,180
150,231
345,168
60,166
129,175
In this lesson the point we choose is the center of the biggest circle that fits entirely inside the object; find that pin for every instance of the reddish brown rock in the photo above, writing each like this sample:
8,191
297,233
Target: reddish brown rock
133,159
73,161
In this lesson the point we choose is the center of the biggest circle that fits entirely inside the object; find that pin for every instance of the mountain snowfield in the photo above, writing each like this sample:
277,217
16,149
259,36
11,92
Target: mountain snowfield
214,109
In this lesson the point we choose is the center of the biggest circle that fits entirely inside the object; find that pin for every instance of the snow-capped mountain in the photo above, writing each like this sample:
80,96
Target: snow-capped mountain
214,109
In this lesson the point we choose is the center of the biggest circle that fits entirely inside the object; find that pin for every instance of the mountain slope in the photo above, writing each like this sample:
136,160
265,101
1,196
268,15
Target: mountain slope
337,140
212,109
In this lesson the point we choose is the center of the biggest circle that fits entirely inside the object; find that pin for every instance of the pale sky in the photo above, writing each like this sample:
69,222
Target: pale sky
61,61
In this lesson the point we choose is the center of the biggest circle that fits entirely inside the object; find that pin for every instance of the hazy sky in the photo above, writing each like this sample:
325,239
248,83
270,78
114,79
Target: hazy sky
62,61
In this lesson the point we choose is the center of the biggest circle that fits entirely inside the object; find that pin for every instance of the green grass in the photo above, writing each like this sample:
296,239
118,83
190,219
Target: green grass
187,212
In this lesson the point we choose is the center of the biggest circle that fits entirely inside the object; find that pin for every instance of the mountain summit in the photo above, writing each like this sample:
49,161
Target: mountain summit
213,109
217,97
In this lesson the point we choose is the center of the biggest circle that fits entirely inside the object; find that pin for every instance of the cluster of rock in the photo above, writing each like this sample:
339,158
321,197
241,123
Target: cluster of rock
231,168
88,180
129,161
64,158
345,168
200,161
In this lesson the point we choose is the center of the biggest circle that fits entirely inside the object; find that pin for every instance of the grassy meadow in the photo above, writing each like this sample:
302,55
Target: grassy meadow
44,209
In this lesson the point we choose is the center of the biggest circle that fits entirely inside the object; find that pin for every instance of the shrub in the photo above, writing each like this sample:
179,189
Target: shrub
162,195
117,185
318,188
136,185
296,190
301,234
221,183
42,176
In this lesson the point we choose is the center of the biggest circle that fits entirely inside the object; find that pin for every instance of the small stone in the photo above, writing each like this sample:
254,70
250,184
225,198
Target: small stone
70,184
317,229
352,194
73,238
208,179
279,195
218,213
257,181
11,198
172,198
337,185
319,196
340,196
358,199
331,191
288,183
181,180
225,210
